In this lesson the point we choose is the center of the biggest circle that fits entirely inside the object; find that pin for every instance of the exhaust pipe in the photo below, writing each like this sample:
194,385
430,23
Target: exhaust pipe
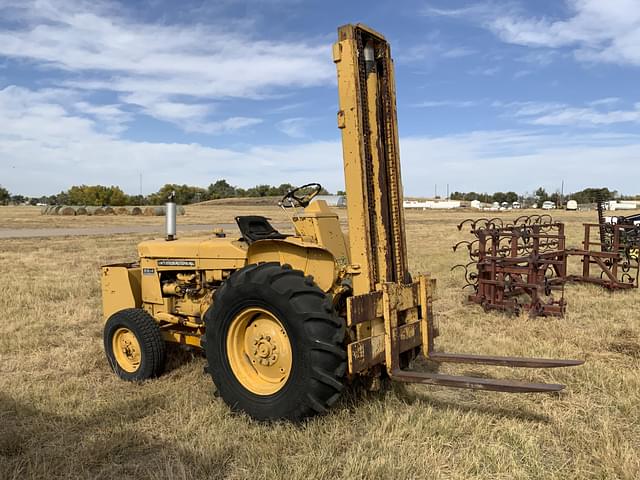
170,217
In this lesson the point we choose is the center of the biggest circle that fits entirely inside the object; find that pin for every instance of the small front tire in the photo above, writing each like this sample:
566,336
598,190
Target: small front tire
134,345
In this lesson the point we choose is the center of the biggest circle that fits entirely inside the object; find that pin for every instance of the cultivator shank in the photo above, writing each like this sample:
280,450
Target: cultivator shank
524,265
517,265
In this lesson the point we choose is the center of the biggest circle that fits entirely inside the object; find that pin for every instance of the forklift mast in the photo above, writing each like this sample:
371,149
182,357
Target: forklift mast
391,313
367,119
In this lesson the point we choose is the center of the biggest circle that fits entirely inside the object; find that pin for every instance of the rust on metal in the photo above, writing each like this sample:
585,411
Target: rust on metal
363,308
475,383
524,265
522,362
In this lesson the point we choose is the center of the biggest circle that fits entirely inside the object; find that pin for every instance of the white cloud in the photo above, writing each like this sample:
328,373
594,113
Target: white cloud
457,52
294,127
448,103
432,47
521,161
113,117
485,71
605,101
227,125
588,117
163,68
46,147
598,113
596,30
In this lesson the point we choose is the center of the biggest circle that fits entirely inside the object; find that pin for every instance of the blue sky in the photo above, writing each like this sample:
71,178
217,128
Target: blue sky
491,95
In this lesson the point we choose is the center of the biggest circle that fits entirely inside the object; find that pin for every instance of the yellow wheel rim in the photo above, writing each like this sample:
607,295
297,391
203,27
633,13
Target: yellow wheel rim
126,349
259,351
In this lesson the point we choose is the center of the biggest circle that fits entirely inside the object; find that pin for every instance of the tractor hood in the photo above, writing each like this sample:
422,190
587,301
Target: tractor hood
196,248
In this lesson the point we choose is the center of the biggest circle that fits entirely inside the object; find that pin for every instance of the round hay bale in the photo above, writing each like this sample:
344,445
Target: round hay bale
122,211
98,211
157,211
45,210
81,211
136,211
109,211
148,212
56,209
180,210
67,211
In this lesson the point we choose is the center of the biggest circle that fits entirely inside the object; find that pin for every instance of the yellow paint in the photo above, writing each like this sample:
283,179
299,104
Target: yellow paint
321,226
259,351
196,249
174,336
308,257
120,288
126,349
176,280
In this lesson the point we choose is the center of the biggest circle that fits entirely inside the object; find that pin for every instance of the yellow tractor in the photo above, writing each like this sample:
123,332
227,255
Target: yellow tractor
286,321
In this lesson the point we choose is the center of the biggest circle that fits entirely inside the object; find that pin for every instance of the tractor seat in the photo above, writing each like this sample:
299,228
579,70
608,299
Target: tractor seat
255,227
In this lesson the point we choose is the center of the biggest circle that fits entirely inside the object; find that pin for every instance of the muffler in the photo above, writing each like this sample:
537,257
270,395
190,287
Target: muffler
170,217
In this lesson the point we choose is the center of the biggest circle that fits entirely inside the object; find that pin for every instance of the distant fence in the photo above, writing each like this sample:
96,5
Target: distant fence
70,210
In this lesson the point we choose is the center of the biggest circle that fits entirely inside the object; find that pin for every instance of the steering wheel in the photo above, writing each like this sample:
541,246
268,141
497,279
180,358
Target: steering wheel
293,199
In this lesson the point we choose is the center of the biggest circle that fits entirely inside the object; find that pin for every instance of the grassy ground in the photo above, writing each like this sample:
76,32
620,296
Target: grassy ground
63,414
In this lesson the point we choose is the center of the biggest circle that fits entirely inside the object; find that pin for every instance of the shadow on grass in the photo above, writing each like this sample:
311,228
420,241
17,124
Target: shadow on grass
111,442
180,355
356,396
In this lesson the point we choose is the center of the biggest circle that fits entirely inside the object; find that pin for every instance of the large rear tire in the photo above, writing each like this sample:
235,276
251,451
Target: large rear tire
274,344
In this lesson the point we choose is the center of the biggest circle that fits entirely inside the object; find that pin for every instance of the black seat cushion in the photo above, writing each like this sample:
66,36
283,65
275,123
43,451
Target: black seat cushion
255,227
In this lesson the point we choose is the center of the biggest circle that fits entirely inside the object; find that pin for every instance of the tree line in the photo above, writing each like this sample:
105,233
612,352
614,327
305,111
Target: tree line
588,195
100,195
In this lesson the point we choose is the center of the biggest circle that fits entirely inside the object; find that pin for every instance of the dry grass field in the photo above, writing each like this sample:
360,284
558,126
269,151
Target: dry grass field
30,217
64,414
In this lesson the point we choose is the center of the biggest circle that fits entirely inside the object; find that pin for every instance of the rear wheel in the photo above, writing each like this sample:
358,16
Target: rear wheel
274,344
134,345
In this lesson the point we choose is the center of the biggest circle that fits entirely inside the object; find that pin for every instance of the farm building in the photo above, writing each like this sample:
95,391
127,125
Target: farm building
621,205
433,204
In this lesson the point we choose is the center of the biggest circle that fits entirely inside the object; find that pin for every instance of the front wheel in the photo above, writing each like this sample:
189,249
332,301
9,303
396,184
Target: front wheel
274,344
134,345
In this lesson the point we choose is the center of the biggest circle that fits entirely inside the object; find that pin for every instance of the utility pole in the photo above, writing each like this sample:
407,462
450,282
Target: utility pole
435,194
447,191
140,184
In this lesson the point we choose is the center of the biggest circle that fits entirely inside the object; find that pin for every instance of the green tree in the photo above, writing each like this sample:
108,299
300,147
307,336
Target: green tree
4,195
591,195
185,194
220,189
499,197
511,197
541,196
259,191
96,195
